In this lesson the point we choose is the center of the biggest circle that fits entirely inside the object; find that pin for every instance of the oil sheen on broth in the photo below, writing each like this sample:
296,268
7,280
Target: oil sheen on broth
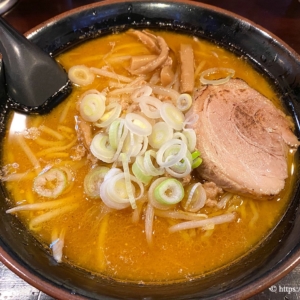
108,241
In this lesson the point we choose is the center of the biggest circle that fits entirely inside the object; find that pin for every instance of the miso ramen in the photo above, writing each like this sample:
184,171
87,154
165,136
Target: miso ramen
107,181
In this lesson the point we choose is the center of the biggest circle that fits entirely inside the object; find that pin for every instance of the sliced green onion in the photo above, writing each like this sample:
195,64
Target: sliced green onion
51,183
180,136
196,162
145,146
164,91
144,90
116,190
182,168
81,75
132,145
169,192
150,106
149,166
191,137
106,198
161,133
93,180
139,171
123,132
196,159
172,116
171,152
195,154
101,148
111,173
190,119
112,112
194,198
151,197
205,73
127,177
92,107
184,102
114,133
138,124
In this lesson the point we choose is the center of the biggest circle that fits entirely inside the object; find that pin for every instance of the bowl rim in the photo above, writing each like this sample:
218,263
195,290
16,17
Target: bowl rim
257,286
189,2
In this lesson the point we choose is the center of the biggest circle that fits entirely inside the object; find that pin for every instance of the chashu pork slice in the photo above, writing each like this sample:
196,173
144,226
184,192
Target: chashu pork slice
243,138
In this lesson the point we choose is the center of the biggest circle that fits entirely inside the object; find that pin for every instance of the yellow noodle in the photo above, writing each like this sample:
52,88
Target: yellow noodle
39,206
69,136
64,113
242,211
183,233
255,214
133,52
66,129
57,149
28,175
101,246
200,68
74,165
135,48
207,234
30,199
118,59
91,60
51,132
47,143
115,55
33,159
29,196
207,55
51,214
56,155
109,74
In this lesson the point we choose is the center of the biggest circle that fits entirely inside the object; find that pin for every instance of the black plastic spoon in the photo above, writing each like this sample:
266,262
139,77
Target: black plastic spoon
34,82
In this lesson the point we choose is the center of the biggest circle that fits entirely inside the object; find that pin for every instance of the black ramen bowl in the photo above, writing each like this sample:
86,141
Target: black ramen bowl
269,261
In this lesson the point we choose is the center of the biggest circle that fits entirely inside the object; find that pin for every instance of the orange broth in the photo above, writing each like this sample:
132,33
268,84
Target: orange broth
114,246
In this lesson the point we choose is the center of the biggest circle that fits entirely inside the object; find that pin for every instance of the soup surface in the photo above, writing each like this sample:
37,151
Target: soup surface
115,242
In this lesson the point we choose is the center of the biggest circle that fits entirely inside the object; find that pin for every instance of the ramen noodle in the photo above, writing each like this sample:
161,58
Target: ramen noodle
98,182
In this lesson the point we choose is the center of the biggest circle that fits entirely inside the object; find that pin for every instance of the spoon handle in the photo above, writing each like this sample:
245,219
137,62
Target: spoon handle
32,77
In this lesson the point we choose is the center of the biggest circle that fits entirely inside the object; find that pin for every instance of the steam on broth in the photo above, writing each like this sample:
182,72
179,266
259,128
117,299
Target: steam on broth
100,211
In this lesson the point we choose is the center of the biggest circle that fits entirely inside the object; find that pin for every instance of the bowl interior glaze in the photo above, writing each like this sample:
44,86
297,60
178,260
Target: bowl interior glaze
269,261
